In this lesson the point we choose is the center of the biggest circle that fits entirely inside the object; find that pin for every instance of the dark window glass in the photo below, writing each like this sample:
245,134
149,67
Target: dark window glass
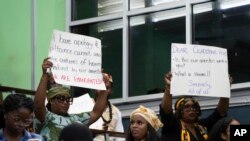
83,9
136,4
150,38
226,25
110,34
238,112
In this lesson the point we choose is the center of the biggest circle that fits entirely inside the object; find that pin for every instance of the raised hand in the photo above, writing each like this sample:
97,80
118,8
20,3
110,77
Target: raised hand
168,78
46,65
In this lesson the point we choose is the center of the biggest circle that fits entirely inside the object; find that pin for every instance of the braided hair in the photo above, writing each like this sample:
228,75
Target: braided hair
15,101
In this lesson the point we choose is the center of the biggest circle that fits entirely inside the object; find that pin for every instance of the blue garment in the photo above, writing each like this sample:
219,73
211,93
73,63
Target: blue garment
27,135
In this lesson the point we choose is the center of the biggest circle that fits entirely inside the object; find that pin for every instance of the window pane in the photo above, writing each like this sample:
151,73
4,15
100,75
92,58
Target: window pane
151,36
83,9
226,24
110,34
135,4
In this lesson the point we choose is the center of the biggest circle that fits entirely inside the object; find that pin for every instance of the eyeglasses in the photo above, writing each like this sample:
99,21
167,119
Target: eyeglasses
62,99
18,120
191,107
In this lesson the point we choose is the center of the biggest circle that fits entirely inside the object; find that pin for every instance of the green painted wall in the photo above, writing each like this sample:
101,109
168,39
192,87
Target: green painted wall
15,43
50,15
15,38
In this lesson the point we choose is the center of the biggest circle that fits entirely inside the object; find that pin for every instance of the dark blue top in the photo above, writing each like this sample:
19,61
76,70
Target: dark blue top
27,135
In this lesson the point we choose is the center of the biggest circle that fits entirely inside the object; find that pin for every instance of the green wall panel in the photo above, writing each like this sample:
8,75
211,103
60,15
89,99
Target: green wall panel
16,38
15,43
50,14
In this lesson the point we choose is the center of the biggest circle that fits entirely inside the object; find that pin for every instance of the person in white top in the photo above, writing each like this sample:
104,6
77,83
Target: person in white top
111,119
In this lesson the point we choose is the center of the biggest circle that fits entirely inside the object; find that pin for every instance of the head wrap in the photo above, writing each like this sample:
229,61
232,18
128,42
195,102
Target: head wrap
108,77
179,105
57,90
149,115
182,101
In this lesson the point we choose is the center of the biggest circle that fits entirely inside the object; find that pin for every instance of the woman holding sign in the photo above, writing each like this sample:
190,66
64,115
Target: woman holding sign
184,124
55,117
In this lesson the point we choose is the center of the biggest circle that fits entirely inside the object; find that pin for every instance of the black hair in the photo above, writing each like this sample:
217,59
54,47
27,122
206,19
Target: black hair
152,135
220,127
15,101
48,106
179,106
76,132
1,116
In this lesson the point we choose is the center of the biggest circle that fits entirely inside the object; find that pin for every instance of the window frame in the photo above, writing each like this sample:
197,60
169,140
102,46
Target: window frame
125,45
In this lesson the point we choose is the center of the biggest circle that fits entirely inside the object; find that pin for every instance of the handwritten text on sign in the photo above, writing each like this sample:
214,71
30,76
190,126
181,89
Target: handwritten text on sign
199,70
76,60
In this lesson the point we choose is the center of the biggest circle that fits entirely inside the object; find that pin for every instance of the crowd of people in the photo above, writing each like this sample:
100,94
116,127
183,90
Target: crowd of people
183,123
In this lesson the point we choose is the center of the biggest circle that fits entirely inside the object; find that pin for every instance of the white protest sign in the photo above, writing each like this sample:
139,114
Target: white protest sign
199,70
77,60
81,104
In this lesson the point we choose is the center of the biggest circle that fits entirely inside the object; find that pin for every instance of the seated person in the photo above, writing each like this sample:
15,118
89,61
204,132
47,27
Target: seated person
144,124
221,130
18,115
76,132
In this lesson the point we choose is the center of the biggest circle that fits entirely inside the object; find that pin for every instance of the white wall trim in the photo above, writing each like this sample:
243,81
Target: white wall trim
238,98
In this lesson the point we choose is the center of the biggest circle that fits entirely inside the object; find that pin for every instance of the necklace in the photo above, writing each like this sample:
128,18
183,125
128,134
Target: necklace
110,114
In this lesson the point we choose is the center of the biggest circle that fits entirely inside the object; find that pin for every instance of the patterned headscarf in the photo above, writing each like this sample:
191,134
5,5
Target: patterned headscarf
57,90
149,115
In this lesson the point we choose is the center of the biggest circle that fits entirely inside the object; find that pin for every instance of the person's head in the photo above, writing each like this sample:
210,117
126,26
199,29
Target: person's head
221,130
59,100
144,124
18,113
76,132
187,109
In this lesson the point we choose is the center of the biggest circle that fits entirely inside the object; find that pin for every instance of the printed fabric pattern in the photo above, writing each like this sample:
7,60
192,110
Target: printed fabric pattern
54,123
